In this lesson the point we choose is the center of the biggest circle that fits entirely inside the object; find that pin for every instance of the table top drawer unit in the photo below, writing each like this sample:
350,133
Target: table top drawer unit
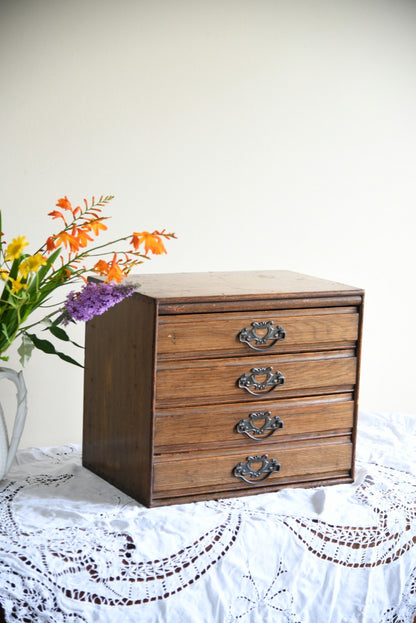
198,373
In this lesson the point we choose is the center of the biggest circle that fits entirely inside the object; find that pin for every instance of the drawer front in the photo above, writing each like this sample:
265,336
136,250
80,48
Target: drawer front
251,426
299,463
187,383
248,333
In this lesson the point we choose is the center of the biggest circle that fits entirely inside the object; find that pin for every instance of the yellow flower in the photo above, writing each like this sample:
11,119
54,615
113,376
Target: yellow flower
17,285
15,248
4,274
31,264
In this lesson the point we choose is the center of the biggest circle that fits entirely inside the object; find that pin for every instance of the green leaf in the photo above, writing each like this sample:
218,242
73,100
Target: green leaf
44,269
48,348
6,294
25,349
60,334
5,338
15,266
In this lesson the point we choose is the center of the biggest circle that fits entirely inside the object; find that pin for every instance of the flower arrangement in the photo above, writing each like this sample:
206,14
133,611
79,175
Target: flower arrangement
65,258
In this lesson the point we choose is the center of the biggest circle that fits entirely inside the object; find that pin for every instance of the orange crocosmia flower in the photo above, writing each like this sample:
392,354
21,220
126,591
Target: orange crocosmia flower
112,271
50,244
101,267
152,242
115,273
64,203
57,214
96,226
136,239
83,238
68,240
155,244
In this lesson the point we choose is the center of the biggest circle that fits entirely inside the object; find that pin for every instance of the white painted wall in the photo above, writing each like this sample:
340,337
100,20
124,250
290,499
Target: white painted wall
266,133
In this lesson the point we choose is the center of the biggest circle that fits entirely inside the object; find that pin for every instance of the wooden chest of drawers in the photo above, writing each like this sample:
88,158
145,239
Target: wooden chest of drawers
209,385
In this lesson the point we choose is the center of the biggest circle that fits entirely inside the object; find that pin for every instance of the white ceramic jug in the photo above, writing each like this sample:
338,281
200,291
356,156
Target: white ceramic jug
8,449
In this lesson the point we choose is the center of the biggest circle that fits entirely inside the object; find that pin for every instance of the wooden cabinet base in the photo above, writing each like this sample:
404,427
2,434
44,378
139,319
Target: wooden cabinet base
213,385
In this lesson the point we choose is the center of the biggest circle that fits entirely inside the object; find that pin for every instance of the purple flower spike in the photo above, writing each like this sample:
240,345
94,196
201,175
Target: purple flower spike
93,300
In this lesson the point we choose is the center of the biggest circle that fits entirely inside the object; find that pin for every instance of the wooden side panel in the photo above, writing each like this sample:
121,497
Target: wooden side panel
357,380
118,396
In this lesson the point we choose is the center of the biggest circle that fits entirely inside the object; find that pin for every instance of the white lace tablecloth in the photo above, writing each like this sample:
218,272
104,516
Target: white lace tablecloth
73,549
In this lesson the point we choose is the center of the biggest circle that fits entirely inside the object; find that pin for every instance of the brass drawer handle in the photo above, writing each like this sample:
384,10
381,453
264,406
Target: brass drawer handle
260,387
251,428
247,336
246,470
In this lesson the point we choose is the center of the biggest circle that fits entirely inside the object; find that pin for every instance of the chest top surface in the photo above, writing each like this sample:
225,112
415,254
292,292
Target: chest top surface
237,285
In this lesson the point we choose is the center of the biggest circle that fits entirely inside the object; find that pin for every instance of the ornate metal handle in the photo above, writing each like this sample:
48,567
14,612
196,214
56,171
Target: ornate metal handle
243,470
248,336
258,388
252,430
